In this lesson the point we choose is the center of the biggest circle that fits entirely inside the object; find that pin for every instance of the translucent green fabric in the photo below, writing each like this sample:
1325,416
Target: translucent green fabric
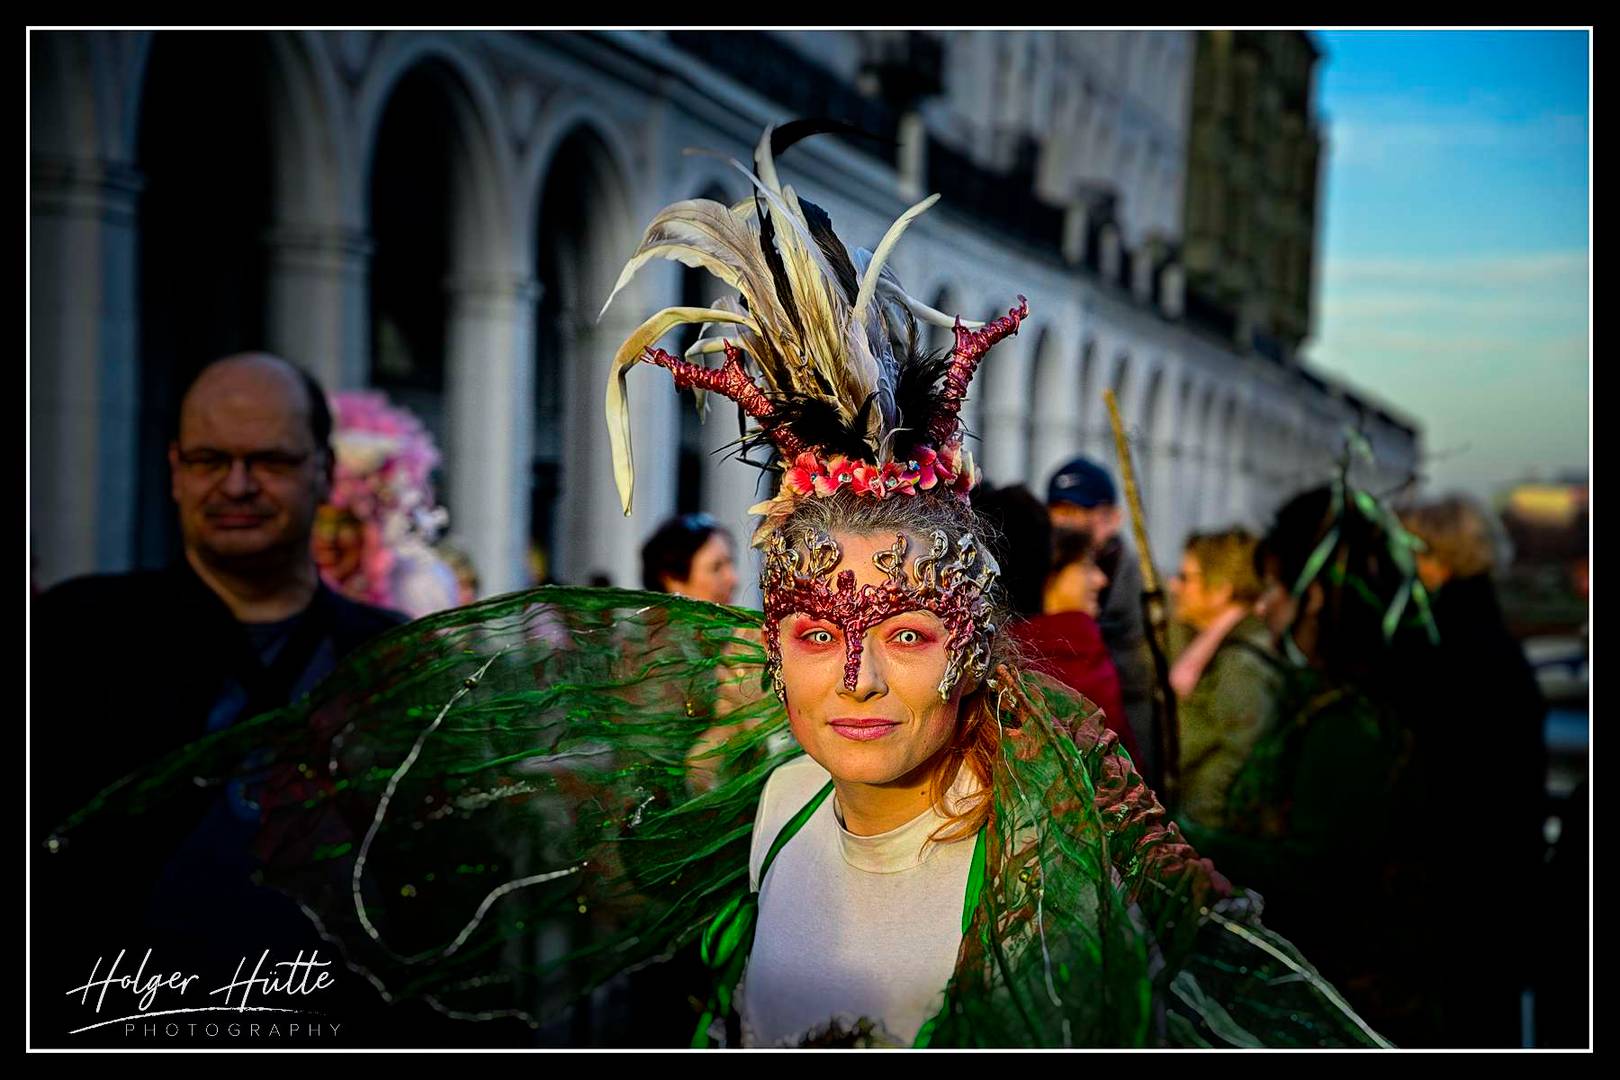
499,808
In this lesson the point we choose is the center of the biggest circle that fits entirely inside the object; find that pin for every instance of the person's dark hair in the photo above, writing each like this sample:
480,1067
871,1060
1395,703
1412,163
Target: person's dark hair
320,411
1069,546
1020,537
668,552
1360,581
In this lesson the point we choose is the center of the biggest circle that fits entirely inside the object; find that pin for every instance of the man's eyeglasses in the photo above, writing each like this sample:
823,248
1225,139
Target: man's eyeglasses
264,464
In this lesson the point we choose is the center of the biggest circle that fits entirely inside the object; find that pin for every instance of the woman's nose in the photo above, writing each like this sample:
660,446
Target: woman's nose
863,671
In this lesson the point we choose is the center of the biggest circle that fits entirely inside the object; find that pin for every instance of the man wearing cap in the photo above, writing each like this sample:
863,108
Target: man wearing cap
1081,495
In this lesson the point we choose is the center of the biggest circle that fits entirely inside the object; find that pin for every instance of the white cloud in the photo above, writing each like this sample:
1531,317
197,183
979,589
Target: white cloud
1379,132
1491,355
1458,272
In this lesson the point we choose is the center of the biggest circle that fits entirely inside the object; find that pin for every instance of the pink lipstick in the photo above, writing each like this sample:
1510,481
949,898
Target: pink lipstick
862,730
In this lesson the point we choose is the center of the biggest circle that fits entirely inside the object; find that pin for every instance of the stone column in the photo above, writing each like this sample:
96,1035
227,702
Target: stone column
1005,419
84,367
489,422
730,488
1057,408
317,311
595,536
1097,429
1167,492
972,415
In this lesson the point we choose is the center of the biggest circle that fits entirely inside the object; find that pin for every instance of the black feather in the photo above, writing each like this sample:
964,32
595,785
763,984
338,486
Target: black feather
795,130
819,425
820,223
916,395
833,248
773,259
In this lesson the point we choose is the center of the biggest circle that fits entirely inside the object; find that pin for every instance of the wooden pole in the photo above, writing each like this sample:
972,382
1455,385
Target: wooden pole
1156,615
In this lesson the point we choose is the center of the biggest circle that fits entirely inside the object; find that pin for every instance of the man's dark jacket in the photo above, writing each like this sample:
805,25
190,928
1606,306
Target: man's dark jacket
126,668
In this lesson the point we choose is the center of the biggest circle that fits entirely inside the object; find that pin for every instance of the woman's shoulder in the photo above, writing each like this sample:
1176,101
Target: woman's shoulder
795,782
789,787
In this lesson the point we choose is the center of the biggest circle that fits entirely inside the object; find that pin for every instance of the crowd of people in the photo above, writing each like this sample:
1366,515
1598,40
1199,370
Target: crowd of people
1359,736
947,733
1330,704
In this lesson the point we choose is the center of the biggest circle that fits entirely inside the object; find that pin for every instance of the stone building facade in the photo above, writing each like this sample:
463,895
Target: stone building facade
441,215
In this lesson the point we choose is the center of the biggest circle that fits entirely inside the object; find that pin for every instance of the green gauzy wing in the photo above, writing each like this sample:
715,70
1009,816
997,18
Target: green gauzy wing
501,807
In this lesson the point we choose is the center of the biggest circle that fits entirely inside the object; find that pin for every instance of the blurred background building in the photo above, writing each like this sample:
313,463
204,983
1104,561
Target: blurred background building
441,215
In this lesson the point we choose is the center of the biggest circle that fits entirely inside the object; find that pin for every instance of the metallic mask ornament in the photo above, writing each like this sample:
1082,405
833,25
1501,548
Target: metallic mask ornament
951,581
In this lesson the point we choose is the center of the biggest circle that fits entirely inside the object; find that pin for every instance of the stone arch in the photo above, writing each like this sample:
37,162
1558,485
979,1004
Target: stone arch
84,371
1204,458
450,311
319,250
1091,431
704,470
1054,406
1229,464
1122,380
583,234
313,170
483,167
566,118
1150,450
1005,371
78,106
423,181
201,255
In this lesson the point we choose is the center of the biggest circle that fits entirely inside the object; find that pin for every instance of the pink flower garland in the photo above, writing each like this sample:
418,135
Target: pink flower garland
923,471
382,476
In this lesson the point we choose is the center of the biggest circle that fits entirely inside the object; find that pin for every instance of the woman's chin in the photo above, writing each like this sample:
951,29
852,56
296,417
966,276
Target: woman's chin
860,762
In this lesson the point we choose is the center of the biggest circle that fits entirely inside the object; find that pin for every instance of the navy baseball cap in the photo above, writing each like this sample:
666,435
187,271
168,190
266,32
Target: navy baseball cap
1082,482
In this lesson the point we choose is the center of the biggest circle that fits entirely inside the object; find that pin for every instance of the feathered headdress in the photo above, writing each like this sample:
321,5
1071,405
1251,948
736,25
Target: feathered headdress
847,395
382,477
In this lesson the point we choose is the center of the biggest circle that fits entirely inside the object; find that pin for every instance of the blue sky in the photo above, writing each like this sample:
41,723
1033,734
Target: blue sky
1454,260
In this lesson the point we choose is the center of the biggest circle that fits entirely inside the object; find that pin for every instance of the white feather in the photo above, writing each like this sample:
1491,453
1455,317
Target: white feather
869,280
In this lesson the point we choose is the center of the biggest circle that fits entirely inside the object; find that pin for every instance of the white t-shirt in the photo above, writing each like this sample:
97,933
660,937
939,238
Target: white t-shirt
850,927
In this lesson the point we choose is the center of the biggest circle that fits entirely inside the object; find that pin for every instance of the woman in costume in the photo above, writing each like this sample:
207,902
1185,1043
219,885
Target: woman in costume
490,809
373,538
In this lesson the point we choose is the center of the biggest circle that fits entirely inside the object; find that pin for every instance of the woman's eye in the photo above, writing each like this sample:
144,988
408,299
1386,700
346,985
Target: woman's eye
819,637
908,637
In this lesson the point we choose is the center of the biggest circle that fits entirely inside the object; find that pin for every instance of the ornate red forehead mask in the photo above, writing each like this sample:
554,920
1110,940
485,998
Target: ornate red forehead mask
951,580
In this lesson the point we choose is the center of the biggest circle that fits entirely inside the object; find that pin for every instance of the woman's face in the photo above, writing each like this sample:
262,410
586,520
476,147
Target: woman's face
1196,603
336,542
713,576
1076,587
893,721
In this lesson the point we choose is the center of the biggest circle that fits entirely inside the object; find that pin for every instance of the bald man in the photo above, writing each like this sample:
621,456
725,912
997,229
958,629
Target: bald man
130,666
248,468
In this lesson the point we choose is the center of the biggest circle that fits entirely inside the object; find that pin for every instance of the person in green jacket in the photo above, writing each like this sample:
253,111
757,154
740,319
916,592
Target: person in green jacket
1228,678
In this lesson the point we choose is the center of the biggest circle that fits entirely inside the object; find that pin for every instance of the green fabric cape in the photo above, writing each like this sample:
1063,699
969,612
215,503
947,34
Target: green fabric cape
499,808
